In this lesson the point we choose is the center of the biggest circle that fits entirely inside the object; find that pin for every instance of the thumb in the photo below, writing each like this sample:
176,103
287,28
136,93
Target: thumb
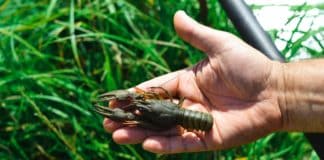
202,37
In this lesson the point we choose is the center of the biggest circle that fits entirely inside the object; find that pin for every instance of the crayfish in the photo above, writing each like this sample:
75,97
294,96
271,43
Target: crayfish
151,110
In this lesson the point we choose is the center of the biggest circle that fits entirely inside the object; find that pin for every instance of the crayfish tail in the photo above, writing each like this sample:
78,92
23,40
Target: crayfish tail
196,120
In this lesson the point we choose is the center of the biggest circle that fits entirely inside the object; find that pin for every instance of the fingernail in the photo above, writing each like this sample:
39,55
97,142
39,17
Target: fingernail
182,12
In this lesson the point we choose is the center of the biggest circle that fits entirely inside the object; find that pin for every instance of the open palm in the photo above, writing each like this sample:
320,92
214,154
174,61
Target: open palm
235,84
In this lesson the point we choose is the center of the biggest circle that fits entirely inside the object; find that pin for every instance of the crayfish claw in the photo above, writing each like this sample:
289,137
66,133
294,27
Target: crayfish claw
103,108
106,99
107,112
118,95
115,114
107,96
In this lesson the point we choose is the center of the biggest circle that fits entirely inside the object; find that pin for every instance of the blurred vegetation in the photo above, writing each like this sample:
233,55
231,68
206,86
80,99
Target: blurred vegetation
56,56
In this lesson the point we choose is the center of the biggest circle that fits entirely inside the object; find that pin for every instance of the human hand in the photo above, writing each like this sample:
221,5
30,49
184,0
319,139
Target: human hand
235,83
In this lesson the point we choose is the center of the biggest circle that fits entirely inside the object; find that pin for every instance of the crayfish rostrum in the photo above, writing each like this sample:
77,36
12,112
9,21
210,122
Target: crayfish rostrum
151,110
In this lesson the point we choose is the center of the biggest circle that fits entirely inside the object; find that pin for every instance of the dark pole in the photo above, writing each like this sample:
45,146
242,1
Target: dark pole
252,32
249,28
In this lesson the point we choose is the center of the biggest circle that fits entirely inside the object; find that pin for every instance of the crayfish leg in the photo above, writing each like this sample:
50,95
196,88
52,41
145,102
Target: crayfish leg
130,123
181,101
143,124
138,90
166,93
146,95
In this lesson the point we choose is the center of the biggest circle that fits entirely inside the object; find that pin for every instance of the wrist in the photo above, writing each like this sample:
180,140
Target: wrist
277,87
300,95
281,90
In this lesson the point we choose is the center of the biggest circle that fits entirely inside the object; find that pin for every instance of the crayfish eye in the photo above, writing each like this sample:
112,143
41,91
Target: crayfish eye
143,109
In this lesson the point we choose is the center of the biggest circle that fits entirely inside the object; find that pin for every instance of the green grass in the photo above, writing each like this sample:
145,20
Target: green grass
56,56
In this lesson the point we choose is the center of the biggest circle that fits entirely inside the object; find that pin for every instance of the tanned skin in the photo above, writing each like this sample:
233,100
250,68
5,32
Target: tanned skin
248,95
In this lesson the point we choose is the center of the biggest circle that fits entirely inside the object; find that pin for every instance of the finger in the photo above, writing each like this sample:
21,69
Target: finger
202,37
111,126
188,142
168,81
134,135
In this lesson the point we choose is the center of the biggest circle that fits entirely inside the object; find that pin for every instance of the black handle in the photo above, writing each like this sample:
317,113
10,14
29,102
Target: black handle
252,32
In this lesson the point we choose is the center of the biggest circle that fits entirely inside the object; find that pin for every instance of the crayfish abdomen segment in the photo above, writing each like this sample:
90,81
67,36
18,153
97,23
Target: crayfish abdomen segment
195,120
